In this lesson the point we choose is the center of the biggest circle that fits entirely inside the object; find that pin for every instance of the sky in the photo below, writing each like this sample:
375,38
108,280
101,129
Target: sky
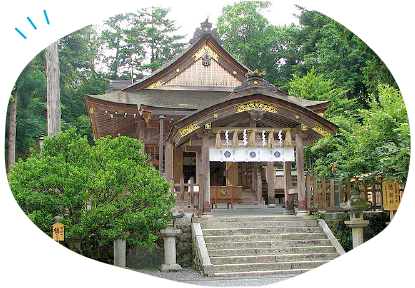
189,15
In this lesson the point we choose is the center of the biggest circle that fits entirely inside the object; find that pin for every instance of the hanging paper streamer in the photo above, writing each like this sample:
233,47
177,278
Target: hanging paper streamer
245,138
280,137
235,140
263,139
227,138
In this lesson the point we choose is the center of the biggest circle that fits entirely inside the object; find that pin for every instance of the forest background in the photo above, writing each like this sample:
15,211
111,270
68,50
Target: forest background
318,59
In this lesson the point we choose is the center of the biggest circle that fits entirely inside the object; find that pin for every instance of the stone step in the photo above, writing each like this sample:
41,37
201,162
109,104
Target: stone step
241,238
268,244
226,268
264,237
255,218
220,260
257,231
286,273
271,251
303,236
259,224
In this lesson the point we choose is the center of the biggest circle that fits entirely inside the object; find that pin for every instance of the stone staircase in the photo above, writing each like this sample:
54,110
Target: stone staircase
249,197
263,245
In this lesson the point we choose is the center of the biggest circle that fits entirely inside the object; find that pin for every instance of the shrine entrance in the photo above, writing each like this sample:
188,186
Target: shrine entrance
243,141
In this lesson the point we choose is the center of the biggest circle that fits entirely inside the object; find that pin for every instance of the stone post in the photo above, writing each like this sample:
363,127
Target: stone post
357,224
170,234
120,249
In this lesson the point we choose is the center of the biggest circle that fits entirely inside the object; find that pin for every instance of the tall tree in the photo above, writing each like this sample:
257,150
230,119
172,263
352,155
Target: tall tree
248,35
333,51
11,147
122,53
156,31
52,93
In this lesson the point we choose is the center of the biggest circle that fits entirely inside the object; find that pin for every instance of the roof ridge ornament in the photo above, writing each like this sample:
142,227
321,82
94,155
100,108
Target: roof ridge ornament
205,28
255,79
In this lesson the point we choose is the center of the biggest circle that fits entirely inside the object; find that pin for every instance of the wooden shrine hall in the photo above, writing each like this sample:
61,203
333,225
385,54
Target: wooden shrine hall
206,119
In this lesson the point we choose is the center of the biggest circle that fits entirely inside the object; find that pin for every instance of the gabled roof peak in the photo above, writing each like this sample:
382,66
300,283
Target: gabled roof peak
205,28
255,79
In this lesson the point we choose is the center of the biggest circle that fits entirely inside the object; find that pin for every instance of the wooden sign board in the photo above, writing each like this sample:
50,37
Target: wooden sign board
391,197
58,232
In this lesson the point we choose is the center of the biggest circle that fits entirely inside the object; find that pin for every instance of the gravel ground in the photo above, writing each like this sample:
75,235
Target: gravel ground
190,276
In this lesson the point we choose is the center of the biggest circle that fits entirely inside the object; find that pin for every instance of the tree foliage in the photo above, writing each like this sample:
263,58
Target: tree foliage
248,35
381,145
100,193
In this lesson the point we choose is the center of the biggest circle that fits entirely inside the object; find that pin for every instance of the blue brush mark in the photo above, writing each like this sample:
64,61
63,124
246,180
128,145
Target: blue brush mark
46,16
18,31
31,23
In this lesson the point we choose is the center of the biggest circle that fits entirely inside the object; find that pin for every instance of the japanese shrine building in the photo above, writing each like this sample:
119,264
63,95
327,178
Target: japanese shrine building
206,116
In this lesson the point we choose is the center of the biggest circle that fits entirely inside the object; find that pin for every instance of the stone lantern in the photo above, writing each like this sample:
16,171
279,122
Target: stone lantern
356,205
169,234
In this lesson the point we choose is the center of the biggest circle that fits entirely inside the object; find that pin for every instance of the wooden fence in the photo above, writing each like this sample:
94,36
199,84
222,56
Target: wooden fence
321,194
327,194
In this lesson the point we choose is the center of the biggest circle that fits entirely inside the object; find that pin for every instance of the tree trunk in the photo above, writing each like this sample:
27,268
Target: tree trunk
53,107
11,150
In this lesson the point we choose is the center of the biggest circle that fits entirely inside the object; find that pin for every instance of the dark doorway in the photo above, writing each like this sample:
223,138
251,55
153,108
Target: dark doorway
189,165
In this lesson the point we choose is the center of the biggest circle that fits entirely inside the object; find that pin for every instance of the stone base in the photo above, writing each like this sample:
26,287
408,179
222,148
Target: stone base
302,213
170,267
357,223
310,217
271,206
289,212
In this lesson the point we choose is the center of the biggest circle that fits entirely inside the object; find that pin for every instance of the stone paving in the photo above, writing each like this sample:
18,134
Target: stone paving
190,276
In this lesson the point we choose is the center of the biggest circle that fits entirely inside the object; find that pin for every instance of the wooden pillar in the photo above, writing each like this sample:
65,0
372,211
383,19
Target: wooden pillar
161,145
206,173
271,189
299,157
289,199
141,133
259,185
198,162
177,163
169,161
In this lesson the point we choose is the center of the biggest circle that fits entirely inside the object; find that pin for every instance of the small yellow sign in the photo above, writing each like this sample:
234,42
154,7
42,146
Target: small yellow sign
391,197
58,232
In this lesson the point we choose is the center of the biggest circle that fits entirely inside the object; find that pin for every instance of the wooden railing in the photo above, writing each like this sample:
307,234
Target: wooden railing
327,194
187,194
322,195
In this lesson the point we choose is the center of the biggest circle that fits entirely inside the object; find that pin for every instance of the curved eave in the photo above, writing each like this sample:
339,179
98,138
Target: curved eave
227,108
111,118
106,103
